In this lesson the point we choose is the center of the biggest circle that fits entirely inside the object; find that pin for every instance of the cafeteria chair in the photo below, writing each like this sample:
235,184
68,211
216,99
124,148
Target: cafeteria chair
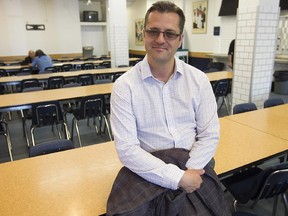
27,83
25,71
244,107
66,67
221,90
55,82
48,113
26,114
4,131
273,102
50,69
85,79
105,64
214,66
255,184
87,66
90,107
50,147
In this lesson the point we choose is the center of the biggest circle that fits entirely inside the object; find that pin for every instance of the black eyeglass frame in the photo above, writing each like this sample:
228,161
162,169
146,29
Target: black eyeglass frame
168,34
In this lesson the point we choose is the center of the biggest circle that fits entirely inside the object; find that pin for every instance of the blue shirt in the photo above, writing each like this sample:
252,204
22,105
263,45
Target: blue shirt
42,63
149,115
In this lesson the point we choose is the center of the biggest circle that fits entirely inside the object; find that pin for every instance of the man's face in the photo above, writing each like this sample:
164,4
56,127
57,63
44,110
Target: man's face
162,48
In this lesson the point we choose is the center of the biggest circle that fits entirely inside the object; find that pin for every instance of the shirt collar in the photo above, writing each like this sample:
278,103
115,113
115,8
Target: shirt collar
146,72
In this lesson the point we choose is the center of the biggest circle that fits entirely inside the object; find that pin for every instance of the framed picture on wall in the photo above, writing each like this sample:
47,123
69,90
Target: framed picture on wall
199,16
139,25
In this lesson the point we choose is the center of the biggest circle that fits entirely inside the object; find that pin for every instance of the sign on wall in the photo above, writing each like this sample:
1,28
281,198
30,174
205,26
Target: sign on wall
199,17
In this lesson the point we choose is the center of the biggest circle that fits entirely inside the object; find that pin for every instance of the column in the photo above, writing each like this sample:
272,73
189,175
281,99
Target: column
256,35
118,32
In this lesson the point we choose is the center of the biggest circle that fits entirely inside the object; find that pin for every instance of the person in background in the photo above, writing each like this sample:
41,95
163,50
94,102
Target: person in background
29,59
231,54
42,61
164,103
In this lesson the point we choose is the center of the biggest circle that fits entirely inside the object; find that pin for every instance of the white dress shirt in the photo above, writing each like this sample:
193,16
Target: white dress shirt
149,115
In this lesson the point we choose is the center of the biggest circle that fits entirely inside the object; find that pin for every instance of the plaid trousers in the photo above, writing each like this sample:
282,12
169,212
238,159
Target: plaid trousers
132,195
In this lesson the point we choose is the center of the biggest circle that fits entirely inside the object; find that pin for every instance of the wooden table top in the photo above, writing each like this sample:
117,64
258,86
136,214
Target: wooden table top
11,80
17,100
74,182
78,181
214,76
273,120
241,145
18,67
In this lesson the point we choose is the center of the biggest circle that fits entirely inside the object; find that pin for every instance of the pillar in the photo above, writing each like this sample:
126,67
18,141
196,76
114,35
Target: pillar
118,32
255,46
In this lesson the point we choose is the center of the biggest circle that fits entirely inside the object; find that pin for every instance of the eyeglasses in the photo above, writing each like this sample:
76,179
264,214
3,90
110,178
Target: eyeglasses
168,34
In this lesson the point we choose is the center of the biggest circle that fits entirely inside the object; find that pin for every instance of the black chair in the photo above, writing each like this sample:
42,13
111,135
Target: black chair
85,79
26,114
50,69
48,114
273,102
28,83
105,64
55,82
3,73
90,107
244,107
255,184
116,76
221,90
25,71
4,131
87,66
67,67
214,66
50,147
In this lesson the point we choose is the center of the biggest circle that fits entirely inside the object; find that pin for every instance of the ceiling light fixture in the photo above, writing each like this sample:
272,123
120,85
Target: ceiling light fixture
89,2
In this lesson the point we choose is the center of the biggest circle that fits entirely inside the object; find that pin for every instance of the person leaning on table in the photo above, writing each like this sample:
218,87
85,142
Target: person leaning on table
164,103
41,61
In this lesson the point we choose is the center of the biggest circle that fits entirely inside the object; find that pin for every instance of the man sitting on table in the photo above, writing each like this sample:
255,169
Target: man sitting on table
164,103
28,59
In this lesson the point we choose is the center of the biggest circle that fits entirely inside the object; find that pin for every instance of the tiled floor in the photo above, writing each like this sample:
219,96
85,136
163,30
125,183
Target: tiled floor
89,137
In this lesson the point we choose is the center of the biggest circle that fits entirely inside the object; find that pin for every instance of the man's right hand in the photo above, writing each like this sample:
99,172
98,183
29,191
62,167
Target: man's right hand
191,180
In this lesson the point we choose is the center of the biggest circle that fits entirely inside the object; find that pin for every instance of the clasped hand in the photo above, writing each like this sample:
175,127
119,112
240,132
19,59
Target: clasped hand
191,180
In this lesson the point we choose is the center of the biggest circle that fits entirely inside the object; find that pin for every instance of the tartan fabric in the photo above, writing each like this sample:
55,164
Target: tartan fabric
131,195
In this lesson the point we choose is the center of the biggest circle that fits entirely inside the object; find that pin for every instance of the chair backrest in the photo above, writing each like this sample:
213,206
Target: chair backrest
85,79
28,83
271,182
214,66
50,147
106,64
273,102
87,66
221,87
3,72
25,71
46,113
56,82
30,89
69,85
66,67
244,107
92,106
50,69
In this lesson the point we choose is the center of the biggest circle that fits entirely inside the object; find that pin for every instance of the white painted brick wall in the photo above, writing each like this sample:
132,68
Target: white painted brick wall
254,52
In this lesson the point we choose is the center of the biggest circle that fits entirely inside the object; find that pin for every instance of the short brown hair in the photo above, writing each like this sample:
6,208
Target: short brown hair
166,7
